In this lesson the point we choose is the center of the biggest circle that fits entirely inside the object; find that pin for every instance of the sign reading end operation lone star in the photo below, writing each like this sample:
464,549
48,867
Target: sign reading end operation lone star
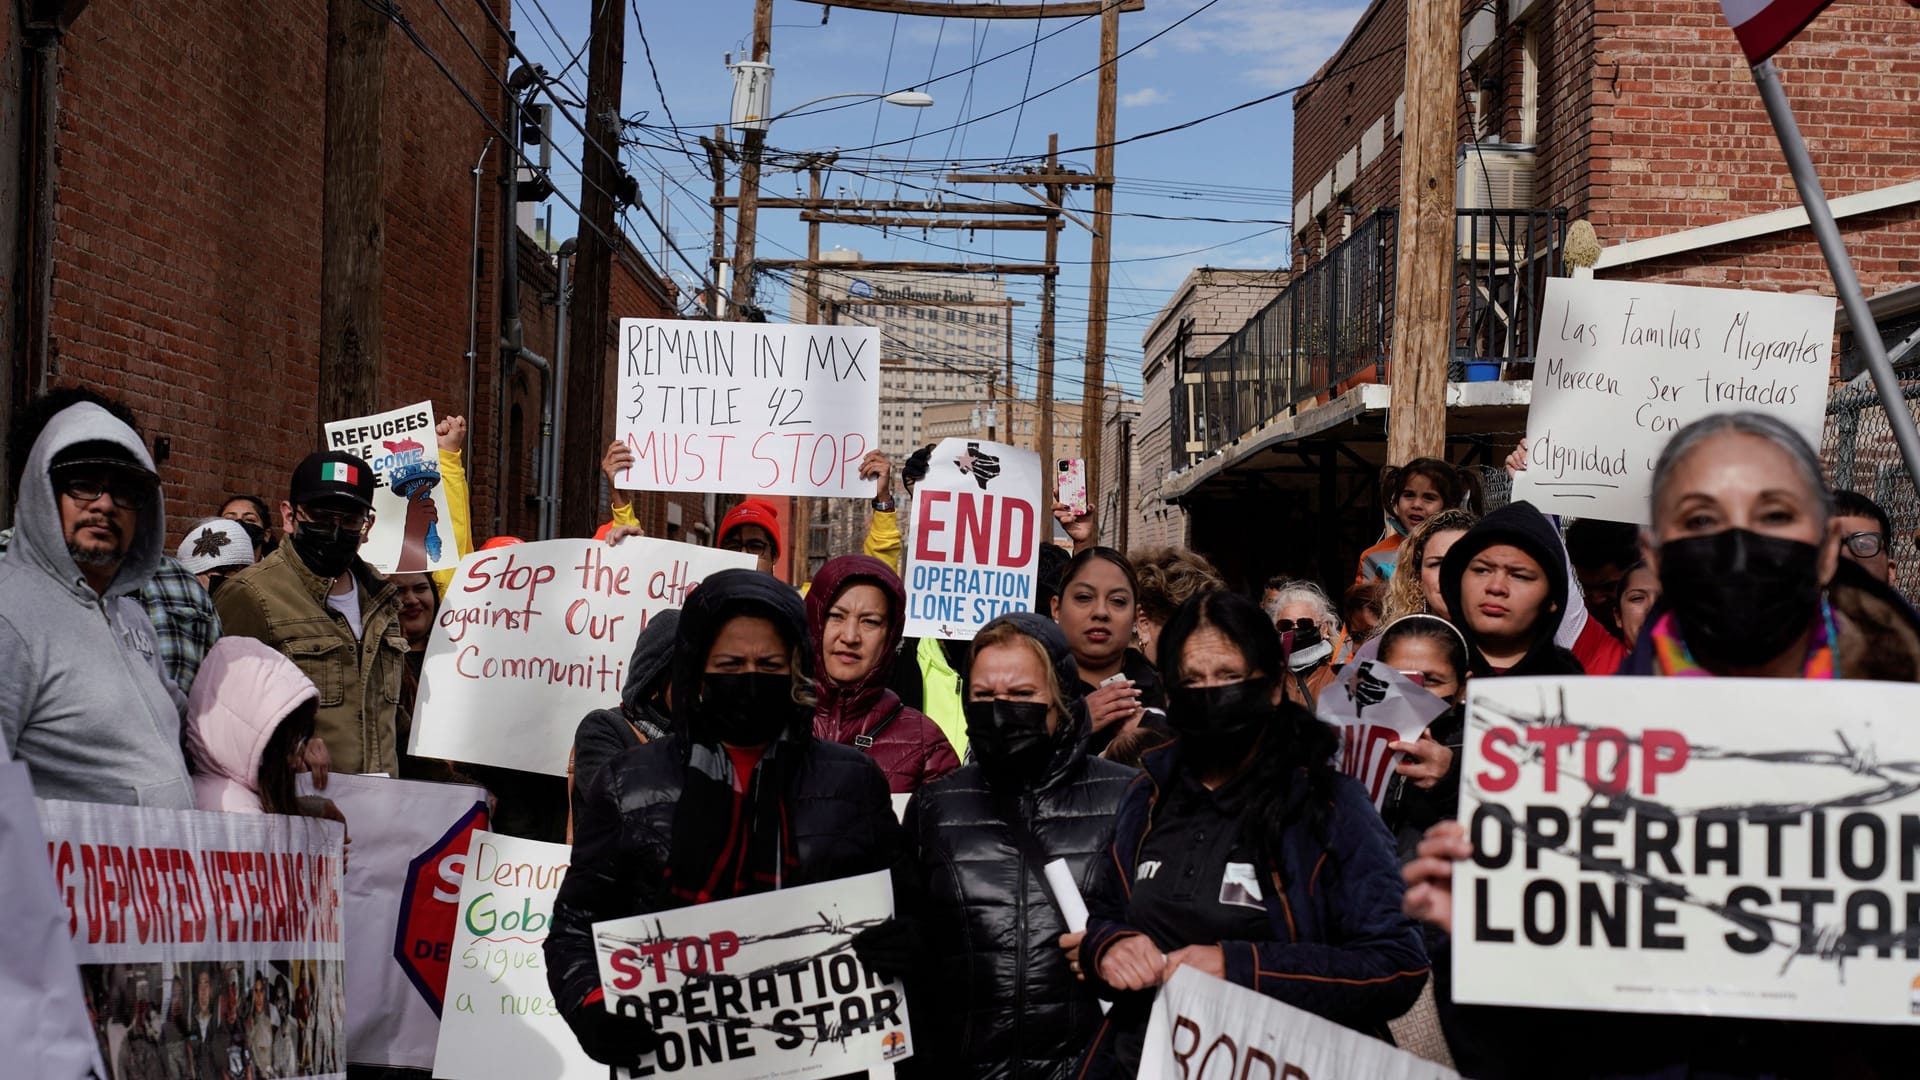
977,524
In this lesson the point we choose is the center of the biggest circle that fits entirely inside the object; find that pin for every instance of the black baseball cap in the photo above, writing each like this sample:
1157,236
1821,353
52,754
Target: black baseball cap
333,475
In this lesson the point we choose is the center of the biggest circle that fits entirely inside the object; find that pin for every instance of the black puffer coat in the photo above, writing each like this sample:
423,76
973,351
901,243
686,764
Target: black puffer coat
997,998
657,819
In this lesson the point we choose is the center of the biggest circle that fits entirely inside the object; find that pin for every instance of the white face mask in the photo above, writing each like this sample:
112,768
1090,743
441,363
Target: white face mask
1307,658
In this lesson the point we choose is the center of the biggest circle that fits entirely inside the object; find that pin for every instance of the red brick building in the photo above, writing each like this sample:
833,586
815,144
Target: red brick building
182,268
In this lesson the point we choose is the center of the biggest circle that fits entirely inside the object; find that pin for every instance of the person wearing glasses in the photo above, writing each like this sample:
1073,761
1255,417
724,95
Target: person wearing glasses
86,701
1866,535
318,603
753,527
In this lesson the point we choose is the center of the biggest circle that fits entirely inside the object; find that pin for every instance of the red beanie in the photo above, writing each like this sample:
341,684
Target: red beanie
752,512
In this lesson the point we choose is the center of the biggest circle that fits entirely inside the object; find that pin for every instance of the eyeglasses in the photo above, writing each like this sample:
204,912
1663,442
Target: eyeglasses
358,521
127,493
1864,545
751,547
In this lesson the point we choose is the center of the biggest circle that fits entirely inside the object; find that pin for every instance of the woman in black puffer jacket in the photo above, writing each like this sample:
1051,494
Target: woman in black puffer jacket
997,998
739,799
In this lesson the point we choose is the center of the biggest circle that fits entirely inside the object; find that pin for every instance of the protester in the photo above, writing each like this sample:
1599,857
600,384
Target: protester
214,550
1303,614
1363,611
1417,592
855,612
251,512
741,799
1243,853
316,601
1168,577
1412,493
1426,784
1082,528
248,722
752,527
1638,594
997,998
1602,552
1506,584
1866,535
86,702
644,716
1096,609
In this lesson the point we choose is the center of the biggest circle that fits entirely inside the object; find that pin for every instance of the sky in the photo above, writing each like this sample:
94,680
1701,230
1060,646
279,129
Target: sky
1181,59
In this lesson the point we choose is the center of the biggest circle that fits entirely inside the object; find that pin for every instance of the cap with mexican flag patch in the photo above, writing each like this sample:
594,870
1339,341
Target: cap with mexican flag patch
332,475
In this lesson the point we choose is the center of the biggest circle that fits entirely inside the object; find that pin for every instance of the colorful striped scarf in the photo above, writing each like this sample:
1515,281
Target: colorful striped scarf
1671,656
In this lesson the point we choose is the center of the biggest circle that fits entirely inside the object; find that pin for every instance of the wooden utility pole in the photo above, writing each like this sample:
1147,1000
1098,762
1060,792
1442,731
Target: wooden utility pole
583,439
754,142
1043,389
1423,290
352,212
802,506
1093,396
716,164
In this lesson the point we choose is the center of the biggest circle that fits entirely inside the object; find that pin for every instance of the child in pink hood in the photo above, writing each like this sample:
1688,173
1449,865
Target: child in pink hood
249,719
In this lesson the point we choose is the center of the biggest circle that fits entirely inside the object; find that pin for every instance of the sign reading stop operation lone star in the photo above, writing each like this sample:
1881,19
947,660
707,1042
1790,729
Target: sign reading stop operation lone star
976,538
1620,366
748,407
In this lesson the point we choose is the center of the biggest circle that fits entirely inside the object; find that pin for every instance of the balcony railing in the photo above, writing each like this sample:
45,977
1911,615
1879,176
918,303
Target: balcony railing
1330,329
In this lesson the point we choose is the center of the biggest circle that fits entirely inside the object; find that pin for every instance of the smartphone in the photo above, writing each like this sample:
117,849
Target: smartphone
1070,484
1111,679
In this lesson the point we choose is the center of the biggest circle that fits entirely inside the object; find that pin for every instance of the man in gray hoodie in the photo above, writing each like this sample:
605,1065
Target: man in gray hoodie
85,702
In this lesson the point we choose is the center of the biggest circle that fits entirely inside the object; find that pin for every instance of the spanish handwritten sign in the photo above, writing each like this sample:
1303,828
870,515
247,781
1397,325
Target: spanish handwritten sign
532,637
748,407
759,986
412,524
977,528
1206,1027
1620,366
1373,706
1691,846
501,1019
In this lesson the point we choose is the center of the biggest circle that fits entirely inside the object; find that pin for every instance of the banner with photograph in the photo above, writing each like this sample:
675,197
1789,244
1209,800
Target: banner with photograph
1724,847
977,530
412,523
213,944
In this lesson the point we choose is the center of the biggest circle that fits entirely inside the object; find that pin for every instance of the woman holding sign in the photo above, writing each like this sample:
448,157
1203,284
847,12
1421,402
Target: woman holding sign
999,997
1243,853
739,799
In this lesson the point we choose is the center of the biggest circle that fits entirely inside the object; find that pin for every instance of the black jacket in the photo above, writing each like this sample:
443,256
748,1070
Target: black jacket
1526,528
657,819
605,733
1145,678
997,998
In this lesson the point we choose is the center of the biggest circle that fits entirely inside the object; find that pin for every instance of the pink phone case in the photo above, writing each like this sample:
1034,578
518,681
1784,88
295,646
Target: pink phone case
1070,484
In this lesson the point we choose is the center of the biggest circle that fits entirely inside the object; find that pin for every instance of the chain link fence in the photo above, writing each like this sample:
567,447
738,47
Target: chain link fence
1860,455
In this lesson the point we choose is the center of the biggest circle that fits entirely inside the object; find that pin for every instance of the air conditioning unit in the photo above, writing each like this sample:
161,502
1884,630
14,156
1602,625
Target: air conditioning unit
1491,176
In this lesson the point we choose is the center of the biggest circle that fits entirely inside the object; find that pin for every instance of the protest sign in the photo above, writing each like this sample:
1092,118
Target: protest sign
759,408
1203,1028
1622,365
759,986
1371,705
205,942
1726,847
412,523
532,637
410,843
43,1015
977,529
500,1018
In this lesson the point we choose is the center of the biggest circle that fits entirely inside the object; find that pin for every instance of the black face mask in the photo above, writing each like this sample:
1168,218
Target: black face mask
1219,725
1741,598
1011,740
746,709
327,552
255,534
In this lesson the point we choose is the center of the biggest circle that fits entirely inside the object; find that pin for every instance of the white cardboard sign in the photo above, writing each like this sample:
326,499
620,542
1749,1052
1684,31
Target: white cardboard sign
1622,365
765,409
412,526
977,529
1371,705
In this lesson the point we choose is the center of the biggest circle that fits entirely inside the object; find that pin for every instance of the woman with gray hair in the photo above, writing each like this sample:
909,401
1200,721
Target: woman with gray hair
1303,610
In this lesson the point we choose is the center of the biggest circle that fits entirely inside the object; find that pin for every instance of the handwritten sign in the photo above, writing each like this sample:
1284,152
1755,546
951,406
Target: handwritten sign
1623,365
501,1019
759,986
1371,705
1207,1027
748,407
1696,846
977,524
532,637
412,525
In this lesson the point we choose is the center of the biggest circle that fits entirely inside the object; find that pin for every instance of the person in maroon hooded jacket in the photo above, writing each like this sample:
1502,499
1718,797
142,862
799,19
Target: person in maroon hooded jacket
855,612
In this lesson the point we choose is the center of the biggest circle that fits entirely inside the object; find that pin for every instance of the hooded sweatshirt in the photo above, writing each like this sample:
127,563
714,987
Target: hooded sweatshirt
605,733
907,746
244,690
1526,528
85,702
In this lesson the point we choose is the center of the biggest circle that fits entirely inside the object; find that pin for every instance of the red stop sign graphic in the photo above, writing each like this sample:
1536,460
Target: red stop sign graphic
430,907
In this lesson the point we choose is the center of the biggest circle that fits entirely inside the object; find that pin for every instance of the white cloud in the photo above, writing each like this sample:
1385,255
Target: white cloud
1146,95
1282,42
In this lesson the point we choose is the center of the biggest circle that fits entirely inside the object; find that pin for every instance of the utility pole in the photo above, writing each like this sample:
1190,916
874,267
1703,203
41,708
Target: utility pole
717,165
585,392
754,142
1043,389
803,506
1093,390
352,212
1423,290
